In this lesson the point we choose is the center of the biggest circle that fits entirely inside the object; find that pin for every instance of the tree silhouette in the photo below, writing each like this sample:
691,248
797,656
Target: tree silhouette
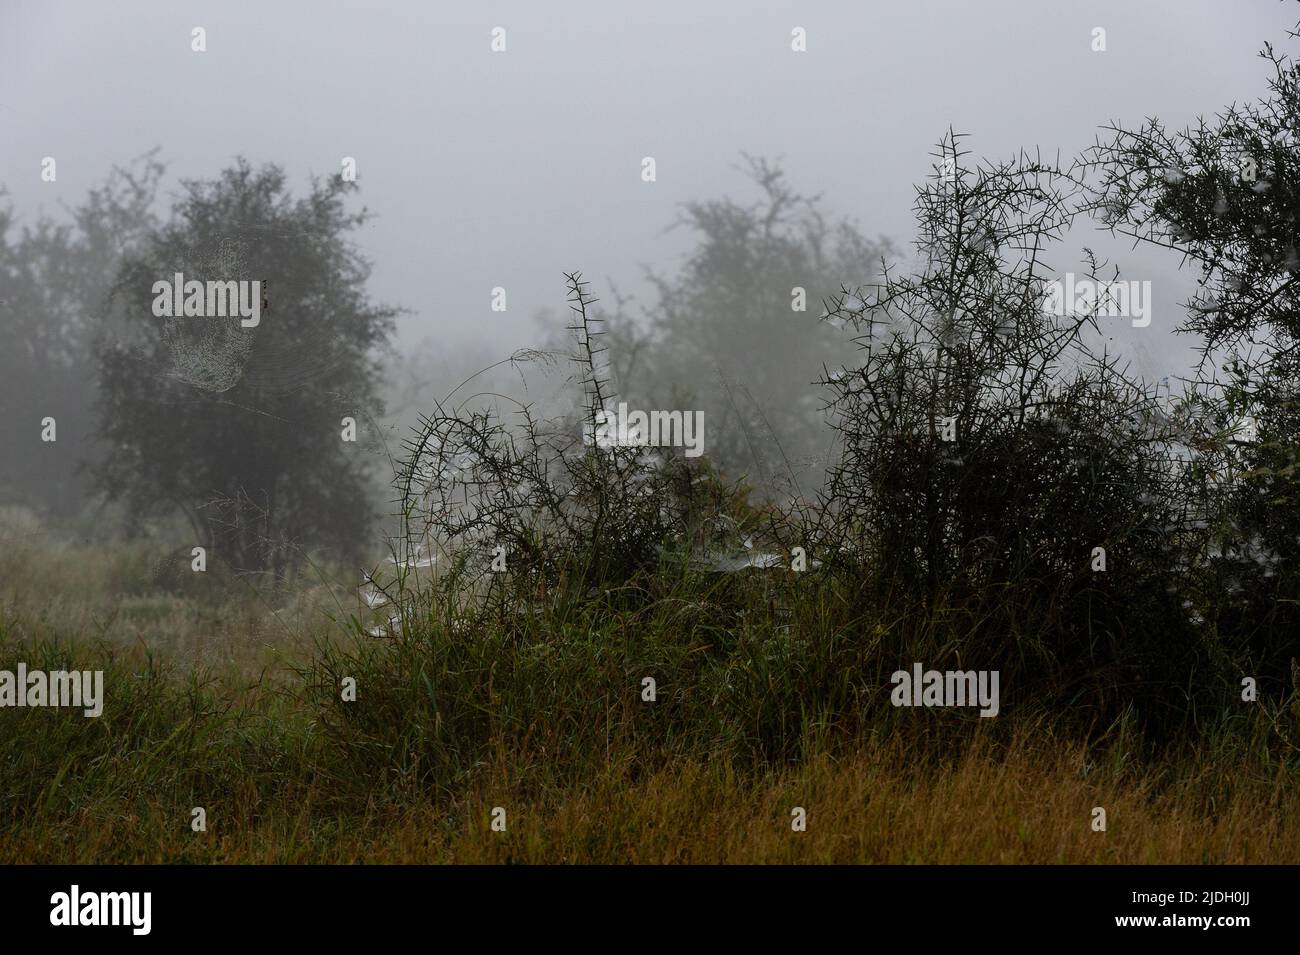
241,428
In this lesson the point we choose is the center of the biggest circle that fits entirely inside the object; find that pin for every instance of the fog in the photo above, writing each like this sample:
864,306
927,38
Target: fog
497,149
503,169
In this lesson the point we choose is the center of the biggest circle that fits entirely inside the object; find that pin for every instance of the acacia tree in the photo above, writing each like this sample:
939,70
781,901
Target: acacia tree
1225,194
729,334
242,428
998,470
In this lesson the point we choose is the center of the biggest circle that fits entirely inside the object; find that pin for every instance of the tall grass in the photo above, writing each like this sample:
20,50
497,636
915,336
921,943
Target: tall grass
768,697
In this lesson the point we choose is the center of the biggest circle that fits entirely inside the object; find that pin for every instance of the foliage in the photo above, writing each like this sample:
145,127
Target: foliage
240,428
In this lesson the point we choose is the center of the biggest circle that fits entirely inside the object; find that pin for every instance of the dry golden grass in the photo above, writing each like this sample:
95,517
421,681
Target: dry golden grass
1029,804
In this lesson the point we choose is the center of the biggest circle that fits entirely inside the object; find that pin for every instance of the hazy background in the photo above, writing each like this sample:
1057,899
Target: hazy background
504,169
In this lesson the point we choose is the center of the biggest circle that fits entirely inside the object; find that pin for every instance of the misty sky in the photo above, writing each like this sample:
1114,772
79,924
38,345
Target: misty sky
504,169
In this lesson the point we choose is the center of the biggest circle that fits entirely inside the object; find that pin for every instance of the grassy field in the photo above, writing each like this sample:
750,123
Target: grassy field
234,705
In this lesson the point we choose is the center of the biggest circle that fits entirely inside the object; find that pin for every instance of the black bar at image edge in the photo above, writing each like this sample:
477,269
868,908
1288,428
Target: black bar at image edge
332,903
